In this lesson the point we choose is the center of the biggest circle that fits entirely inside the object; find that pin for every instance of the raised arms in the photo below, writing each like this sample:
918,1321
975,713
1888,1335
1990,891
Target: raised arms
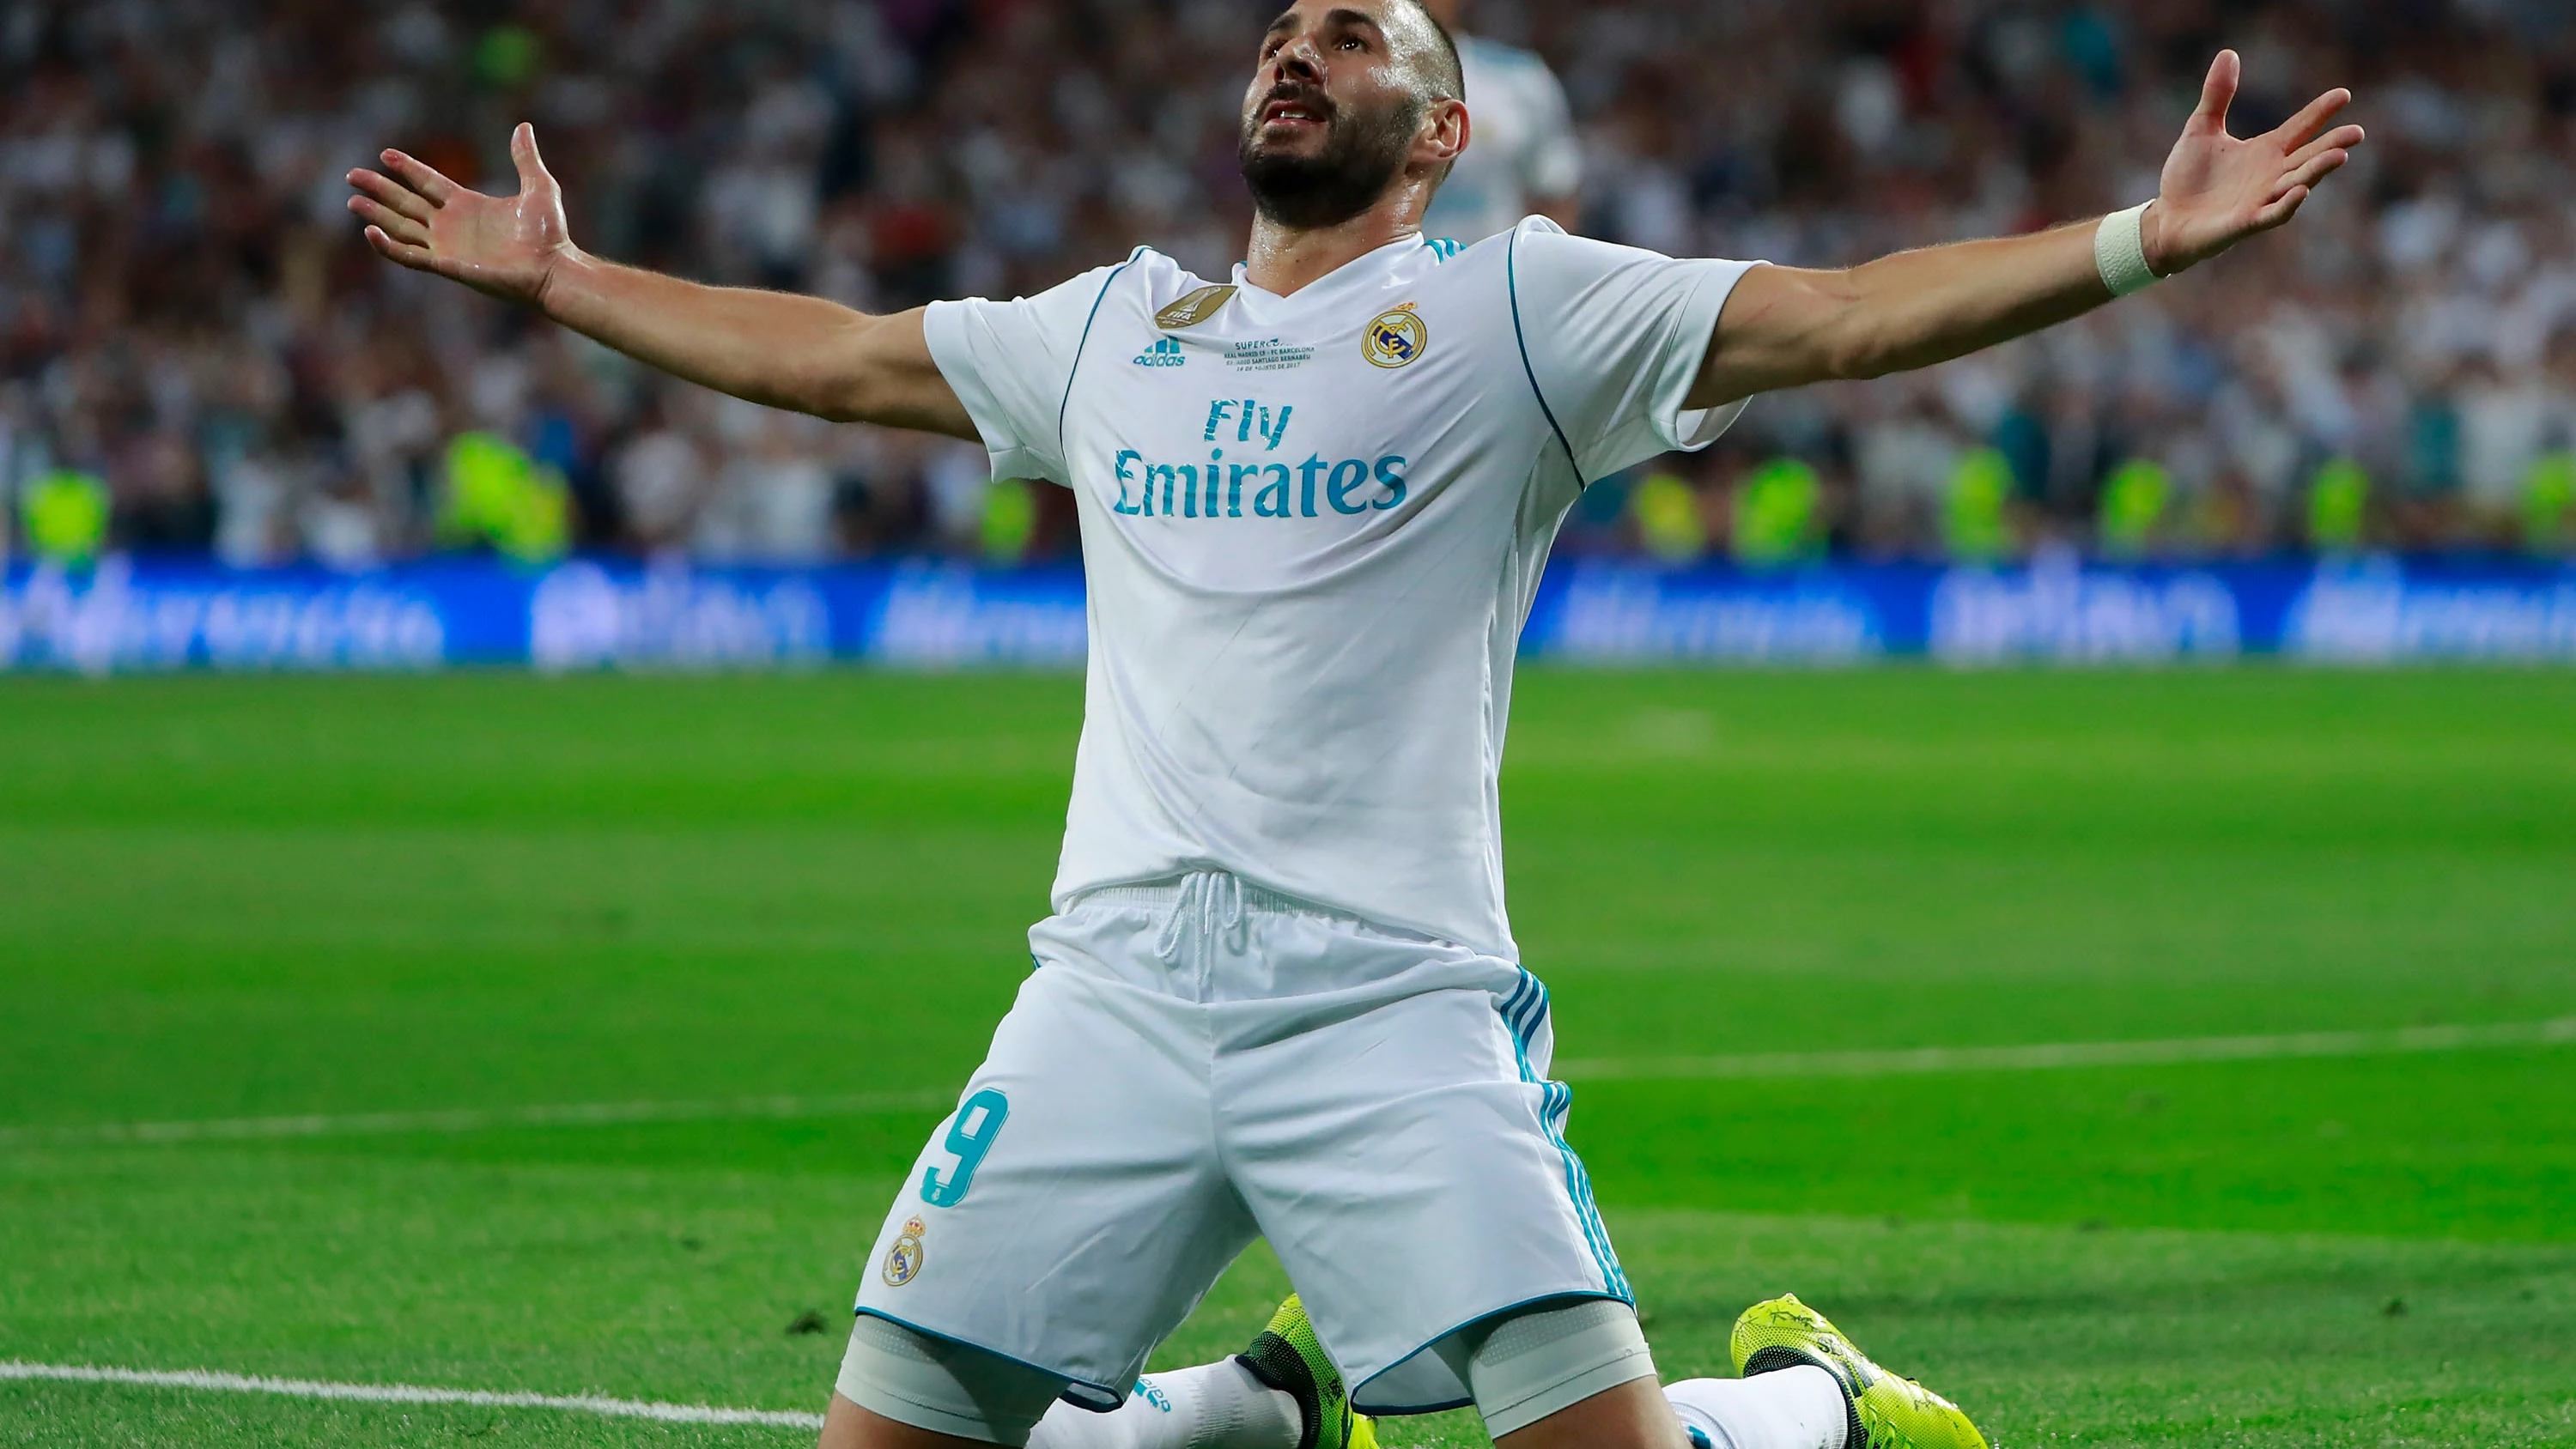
801,353
1784,326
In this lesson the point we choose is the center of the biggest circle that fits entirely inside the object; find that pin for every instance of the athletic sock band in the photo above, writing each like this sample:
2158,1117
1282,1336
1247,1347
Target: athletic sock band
1534,1363
947,1388
2120,251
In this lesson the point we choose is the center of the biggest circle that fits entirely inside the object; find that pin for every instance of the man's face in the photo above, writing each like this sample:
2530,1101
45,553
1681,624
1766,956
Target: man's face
1334,109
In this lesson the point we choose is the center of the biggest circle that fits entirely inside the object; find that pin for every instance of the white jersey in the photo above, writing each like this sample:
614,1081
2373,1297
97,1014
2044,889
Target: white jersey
1520,145
1311,529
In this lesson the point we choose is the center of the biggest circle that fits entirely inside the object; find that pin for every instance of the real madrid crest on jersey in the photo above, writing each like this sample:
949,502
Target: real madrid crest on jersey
903,1260
1395,338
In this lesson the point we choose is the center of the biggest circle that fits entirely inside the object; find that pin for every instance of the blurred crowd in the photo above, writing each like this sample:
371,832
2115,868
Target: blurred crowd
197,352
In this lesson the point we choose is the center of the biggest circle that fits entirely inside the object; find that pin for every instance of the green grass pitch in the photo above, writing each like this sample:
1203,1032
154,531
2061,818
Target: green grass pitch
226,898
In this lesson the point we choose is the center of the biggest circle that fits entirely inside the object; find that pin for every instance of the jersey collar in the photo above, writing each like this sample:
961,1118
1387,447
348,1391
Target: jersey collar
1368,269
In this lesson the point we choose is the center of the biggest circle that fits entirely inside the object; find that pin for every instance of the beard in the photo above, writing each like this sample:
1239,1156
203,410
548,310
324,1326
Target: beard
1361,155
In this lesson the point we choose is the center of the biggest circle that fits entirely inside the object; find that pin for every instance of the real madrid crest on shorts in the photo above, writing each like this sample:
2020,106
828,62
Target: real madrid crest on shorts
903,1260
1395,338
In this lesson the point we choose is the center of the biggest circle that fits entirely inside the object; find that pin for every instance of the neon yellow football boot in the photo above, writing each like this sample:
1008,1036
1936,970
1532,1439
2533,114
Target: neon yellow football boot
1287,1358
1887,1412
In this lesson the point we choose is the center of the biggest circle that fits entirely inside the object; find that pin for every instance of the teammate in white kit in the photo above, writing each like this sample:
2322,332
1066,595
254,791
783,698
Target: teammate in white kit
1278,995
1526,160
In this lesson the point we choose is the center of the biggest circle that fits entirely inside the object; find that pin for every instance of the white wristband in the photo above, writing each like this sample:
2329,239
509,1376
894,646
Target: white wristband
2120,252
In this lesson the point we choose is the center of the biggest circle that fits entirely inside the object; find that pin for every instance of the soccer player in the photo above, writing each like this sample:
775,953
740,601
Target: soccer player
1526,159
1278,994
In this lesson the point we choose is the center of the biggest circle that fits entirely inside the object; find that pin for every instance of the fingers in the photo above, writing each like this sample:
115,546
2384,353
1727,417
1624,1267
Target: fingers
415,257
2317,168
402,229
2341,138
422,177
2217,92
2308,122
523,154
391,194
2280,209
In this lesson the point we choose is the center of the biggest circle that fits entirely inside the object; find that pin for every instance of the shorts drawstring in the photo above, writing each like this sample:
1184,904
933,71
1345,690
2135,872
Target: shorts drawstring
1214,900
1237,928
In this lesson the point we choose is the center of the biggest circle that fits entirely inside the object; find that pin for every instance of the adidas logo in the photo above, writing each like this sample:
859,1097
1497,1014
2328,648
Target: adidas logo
1166,352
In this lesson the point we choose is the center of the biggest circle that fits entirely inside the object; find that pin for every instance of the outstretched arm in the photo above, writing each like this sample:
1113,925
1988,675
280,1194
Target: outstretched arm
801,353
1785,327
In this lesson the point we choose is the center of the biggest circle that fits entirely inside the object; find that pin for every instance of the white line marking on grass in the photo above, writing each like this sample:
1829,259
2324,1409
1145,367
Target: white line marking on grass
478,1119
2051,1056
408,1394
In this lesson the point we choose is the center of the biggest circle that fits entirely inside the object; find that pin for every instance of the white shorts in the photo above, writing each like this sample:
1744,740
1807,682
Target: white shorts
1198,1063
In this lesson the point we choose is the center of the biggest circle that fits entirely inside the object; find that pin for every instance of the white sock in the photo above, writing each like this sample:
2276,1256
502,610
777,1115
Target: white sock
1791,1408
1213,1406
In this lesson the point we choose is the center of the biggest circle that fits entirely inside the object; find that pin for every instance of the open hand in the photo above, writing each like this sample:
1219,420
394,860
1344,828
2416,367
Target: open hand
2218,190
506,246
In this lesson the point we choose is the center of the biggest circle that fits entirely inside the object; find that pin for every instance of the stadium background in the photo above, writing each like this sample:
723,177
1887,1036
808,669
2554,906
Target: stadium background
188,317
2141,1056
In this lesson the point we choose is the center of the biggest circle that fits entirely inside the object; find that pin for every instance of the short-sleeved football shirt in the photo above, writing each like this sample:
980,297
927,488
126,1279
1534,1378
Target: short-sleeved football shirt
1311,529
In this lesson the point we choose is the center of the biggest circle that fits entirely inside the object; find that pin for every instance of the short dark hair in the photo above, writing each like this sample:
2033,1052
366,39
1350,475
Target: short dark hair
1448,77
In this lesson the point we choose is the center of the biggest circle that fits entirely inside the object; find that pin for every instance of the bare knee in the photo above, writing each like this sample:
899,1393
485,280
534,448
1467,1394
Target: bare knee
848,1426
1633,1415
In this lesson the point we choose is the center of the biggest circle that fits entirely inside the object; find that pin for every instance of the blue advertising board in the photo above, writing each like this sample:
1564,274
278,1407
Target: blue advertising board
159,614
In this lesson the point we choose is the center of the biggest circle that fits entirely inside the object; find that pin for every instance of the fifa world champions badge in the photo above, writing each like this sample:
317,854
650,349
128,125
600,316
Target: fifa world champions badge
1396,338
903,1260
